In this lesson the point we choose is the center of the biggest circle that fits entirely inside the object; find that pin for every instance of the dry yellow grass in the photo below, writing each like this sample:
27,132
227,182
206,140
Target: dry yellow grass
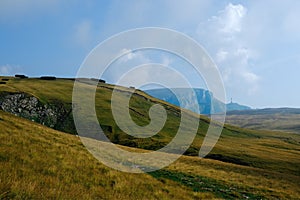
37,162
40,163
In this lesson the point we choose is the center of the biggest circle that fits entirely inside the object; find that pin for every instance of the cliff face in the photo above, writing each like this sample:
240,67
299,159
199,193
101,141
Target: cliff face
55,115
205,100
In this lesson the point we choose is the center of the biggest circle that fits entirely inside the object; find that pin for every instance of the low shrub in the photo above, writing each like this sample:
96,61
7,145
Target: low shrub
20,76
48,78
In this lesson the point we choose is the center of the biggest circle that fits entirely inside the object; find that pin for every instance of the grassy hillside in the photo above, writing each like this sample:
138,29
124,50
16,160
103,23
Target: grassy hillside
255,164
40,163
37,162
235,145
276,119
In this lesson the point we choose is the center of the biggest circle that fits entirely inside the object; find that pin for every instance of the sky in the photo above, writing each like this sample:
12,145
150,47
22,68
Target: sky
255,44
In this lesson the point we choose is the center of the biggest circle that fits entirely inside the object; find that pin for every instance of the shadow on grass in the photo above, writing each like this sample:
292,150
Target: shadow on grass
204,184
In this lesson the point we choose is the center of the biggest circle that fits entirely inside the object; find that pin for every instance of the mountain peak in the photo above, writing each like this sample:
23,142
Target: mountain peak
206,102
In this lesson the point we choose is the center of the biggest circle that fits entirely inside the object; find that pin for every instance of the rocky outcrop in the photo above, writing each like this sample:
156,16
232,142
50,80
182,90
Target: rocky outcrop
203,99
55,115
206,101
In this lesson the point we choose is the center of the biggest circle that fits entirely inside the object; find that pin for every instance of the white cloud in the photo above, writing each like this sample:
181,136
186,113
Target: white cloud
83,33
152,73
221,55
5,70
129,55
231,17
9,69
128,60
228,23
166,61
222,35
250,77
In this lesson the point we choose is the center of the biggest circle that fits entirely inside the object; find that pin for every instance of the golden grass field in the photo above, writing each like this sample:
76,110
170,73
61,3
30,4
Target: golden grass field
41,163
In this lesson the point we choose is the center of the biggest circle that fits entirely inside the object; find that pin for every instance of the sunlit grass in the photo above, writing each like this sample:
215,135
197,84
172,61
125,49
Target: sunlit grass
38,162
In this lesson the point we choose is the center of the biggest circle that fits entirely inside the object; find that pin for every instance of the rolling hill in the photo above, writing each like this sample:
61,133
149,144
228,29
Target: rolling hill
39,162
236,107
276,119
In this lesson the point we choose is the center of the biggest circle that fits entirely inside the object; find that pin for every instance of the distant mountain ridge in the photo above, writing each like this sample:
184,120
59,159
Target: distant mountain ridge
275,119
266,111
206,102
230,107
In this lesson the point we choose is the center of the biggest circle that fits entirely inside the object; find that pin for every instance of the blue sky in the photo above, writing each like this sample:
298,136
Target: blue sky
255,44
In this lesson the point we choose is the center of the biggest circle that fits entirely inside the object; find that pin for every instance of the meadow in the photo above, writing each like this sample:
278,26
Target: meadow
41,163
276,119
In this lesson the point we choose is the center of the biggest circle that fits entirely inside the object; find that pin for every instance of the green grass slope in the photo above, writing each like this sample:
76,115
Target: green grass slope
40,163
267,162
252,148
